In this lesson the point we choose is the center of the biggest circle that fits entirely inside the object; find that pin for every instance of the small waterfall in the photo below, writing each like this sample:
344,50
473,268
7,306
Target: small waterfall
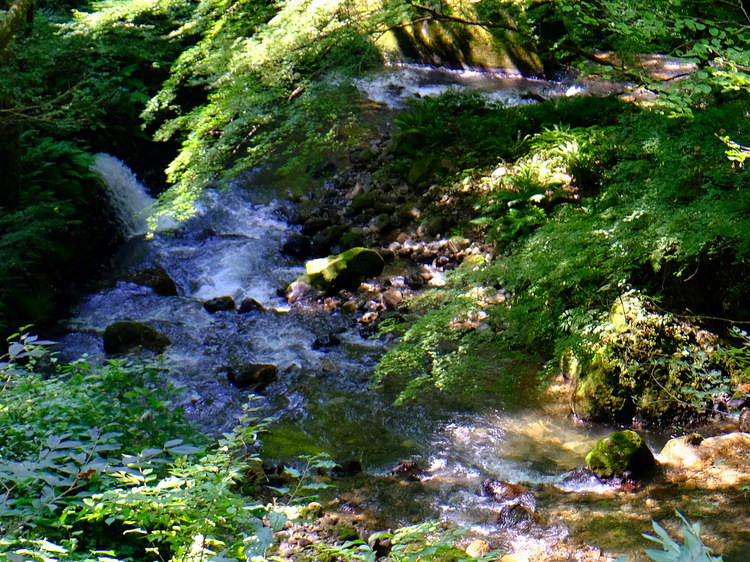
127,196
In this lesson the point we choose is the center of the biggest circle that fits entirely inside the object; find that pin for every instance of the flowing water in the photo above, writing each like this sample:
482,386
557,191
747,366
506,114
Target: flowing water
322,398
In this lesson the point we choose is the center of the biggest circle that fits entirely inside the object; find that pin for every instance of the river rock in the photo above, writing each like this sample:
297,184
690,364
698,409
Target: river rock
329,340
408,470
297,246
477,549
328,239
249,305
346,468
621,454
219,303
127,336
344,269
719,462
253,375
598,396
157,278
744,422
302,290
313,225
352,239
392,298
517,503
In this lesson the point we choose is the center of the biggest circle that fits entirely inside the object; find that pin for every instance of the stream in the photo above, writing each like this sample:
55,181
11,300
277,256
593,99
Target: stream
322,397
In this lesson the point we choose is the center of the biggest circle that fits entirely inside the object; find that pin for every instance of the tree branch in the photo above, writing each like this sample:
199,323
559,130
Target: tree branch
14,18
438,15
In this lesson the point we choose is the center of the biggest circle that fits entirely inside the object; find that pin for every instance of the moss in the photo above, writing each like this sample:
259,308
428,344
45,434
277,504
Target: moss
344,268
620,454
598,395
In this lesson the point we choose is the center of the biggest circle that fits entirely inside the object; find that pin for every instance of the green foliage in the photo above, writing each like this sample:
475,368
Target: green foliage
580,216
305,486
693,549
463,126
62,427
425,541
714,38
55,212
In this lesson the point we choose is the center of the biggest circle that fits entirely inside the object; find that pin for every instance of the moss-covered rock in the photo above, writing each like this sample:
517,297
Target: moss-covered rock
344,269
124,337
622,453
598,395
647,365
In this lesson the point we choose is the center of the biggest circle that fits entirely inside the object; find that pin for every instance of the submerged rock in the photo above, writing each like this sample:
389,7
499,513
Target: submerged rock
297,246
344,269
621,454
329,340
127,336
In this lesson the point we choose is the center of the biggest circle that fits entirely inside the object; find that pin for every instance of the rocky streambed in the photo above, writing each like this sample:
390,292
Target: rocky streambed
218,296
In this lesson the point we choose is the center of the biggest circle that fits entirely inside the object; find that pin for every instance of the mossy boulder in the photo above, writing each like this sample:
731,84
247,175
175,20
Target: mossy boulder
344,269
621,454
124,337
598,395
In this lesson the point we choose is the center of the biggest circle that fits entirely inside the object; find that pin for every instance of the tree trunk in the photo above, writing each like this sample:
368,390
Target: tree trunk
14,18
10,158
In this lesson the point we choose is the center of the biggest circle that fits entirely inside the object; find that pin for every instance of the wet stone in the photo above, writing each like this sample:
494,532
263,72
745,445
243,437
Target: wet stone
297,246
329,340
157,279
219,303
249,305
252,375
124,337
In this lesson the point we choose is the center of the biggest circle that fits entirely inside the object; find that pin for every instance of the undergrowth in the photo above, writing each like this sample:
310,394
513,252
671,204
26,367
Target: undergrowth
583,211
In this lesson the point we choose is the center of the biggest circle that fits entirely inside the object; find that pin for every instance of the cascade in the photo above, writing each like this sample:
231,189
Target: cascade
127,196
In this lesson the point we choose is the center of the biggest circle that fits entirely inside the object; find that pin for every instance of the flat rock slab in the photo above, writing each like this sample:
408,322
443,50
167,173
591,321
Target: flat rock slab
709,464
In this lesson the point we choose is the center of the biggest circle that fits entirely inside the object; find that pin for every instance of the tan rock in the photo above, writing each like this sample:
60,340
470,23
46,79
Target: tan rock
477,549
392,298
708,464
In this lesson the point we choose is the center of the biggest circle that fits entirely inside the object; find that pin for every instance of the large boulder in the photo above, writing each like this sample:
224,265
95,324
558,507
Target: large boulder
622,454
648,366
598,394
124,337
344,269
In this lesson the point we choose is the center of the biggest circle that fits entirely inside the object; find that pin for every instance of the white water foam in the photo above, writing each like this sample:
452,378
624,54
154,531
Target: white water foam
127,196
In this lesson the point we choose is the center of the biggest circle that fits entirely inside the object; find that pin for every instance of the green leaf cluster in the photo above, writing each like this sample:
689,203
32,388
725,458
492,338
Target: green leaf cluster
692,549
